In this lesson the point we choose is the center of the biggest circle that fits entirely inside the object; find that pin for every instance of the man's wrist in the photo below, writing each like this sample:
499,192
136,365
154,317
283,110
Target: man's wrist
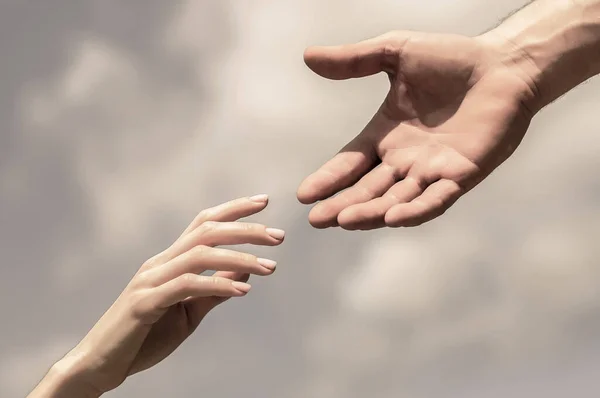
555,43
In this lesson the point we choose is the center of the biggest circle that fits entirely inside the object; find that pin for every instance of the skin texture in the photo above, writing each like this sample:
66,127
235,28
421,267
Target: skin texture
166,301
457,108
455,111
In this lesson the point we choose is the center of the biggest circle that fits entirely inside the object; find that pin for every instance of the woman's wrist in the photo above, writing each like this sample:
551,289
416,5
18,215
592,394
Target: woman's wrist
556,43
64,380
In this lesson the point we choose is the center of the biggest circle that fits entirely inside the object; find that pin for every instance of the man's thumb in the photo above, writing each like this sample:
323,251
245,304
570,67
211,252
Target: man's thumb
356,60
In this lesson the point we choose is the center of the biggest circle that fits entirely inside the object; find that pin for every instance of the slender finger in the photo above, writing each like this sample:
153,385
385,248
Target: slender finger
356,60
203,258
213,233
233,233
198,307
347,167
192,285
372,185
230,211
371,215
434,201
234,276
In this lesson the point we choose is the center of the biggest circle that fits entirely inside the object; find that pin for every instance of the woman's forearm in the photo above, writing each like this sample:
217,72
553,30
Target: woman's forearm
63,381
556,41
165,301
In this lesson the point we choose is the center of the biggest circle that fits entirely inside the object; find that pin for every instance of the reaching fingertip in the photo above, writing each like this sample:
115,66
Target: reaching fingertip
392,222
303,199
350,226
347,217
320,218
306,194
397,218
276,233
242,287
354,218
324,61
317,225
395,224
307,53
270,265
262,198
310,54
323,224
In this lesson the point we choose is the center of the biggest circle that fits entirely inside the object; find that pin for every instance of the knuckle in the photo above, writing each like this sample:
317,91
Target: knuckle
247,227
186,281
217,253
215,281
203,215
148,263
152,261
420,181
390,49
204,280
208,226
366,191
246,257
142,279
200,251
393,41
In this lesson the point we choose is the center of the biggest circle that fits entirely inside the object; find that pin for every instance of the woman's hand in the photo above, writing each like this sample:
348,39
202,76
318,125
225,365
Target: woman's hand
167,299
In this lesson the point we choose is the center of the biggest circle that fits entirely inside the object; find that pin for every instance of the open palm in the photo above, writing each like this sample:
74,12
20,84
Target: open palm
455,111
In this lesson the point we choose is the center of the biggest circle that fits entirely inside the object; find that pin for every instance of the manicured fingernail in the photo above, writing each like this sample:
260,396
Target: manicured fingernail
260,198
241,286
276,233
268,264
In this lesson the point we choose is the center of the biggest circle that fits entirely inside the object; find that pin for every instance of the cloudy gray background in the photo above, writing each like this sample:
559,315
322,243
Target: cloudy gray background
120,120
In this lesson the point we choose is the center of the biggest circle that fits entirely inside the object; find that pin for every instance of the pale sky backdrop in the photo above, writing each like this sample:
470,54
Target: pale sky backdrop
120,120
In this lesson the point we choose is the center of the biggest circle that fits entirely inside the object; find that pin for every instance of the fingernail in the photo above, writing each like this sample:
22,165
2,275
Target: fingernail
241,286
262,198
276,233
268,264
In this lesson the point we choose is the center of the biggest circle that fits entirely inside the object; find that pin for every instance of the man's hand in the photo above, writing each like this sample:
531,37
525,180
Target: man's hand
457,108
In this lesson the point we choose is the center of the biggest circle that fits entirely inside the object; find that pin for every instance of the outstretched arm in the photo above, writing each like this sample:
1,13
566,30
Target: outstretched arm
457,108
166,301
558,41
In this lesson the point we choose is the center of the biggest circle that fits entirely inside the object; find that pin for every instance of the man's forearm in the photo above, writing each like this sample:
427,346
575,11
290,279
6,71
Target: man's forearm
556,41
